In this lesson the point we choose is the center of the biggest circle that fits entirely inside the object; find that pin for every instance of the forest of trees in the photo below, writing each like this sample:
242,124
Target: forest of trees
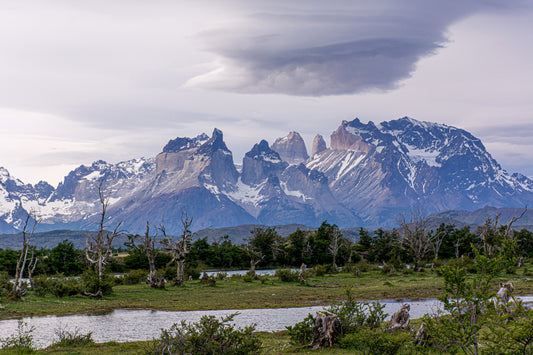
265,248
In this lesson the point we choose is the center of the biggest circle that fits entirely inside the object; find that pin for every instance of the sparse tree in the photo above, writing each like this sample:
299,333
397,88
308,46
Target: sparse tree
415,237
180,248
334,245
31,266
148,249
30,224
99,247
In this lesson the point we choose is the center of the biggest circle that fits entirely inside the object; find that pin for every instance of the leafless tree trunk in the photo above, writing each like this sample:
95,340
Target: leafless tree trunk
255,259
414,235
437,243
334,247
148,248
31,266
19,289
508,230
487,234
98,248
179,249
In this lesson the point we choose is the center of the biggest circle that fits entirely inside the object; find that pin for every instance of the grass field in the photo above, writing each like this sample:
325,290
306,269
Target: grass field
238,294
235,293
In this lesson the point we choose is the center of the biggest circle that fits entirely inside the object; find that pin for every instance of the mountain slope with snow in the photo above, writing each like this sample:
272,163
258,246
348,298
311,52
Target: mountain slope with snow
368,175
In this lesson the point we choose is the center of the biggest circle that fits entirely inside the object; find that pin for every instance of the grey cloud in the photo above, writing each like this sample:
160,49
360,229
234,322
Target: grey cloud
340,48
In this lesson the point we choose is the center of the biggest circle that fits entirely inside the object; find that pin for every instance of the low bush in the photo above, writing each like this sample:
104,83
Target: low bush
169,273
221,275
321,270
21,342
5,285
93,284
72,338
388,269
354,315
208,280
42,285
302,332
193,272
287,275
250,276
62,287
208,336
377,342
135,277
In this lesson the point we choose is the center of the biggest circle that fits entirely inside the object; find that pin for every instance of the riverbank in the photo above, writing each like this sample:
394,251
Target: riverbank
235,293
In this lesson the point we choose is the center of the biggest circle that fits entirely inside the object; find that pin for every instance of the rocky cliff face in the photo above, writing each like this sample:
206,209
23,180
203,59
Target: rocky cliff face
319,145
370,174
397,164
291,148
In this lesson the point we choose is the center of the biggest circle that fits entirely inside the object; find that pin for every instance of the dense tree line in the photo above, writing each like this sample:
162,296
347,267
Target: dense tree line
324,245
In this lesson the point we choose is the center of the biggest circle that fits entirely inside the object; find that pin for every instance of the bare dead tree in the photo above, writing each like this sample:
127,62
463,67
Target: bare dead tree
487,233
438,239
30,224
31,266
334,245
148,248
99,247
180,248
508,230
255,257
414,235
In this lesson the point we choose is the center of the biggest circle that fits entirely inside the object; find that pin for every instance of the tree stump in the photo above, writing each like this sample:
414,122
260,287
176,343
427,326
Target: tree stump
422,336
326,330
400,319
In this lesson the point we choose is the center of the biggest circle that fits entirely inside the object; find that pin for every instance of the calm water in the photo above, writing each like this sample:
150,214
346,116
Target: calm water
132,325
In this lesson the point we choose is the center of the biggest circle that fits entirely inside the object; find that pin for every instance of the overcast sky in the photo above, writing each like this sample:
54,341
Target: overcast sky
115,80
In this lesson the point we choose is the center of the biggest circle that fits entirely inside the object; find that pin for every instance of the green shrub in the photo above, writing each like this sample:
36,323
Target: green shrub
5,284
321,270
193,272
353,314
388,269
22,341
221,275
72,338
377,342
169,273
62,287
208,336
42,285
249,276
302,332
363,266
93,284
287,275
135,277
208,280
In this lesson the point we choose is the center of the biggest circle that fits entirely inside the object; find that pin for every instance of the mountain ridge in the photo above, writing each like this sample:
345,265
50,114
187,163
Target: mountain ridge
368,175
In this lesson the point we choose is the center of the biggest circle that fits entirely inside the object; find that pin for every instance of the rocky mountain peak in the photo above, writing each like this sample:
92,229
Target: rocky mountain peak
349,136
319,145
260,163
291,148
216,142
183,143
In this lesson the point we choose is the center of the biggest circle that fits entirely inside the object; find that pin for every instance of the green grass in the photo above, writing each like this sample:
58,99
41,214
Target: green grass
232,294
273,343
237,294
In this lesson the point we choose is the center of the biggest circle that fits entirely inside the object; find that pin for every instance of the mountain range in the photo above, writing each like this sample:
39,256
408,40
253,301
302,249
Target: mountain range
369,174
